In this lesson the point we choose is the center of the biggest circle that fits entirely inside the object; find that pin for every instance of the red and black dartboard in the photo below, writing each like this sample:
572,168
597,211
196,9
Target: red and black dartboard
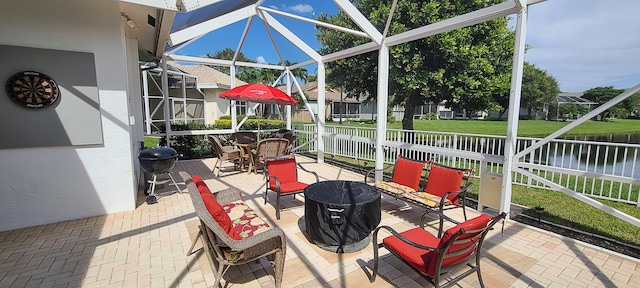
32,89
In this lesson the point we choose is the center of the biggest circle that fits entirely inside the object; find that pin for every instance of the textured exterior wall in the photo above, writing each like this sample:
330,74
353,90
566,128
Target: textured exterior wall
50,184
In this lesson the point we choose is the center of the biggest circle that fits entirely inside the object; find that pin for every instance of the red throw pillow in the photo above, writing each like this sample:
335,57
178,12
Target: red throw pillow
215,209
442,180
477,223
407,173
202,187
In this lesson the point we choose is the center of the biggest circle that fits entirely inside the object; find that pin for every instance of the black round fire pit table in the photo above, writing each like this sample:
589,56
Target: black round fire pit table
340,215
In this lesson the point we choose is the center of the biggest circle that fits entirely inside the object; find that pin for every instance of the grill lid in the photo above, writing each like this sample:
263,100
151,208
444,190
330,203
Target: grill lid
159,153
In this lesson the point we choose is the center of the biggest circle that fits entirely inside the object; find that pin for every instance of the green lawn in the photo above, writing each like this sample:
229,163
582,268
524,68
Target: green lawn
526,128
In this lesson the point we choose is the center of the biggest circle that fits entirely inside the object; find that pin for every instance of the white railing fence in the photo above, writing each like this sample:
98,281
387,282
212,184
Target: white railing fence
601,170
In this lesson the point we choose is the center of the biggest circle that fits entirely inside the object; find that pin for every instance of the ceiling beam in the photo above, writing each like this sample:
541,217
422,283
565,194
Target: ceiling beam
465,20
316,22
219,62
211,25
353,51
292,37
360,20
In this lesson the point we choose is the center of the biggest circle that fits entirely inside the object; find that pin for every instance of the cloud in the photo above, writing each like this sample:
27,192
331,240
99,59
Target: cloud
261,60
301,8
298,8
586,43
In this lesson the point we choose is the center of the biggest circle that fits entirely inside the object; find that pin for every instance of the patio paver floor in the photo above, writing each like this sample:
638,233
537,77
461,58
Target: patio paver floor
147,247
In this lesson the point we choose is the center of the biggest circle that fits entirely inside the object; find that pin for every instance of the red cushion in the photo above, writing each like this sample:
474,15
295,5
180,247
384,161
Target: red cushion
416,257
479,222
291,187
202,187
285,169
214,208
287,173
407,172
442,180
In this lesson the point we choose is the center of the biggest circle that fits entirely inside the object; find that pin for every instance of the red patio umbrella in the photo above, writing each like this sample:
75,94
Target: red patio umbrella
258,93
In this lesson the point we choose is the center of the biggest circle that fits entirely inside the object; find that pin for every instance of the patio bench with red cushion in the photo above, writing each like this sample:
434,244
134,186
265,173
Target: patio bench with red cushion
445,187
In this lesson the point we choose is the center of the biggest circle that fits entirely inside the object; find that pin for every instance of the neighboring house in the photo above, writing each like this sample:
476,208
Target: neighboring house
211,83
200,101
550,111
336,106
571,98
440,111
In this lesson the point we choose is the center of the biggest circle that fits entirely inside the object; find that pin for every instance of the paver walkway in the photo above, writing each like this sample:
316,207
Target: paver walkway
147,248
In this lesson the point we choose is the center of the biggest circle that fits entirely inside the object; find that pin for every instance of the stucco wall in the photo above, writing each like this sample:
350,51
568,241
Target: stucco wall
216,107
45,185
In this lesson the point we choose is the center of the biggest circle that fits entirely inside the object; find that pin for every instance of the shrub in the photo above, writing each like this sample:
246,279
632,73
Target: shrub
198,146
190,146
429,116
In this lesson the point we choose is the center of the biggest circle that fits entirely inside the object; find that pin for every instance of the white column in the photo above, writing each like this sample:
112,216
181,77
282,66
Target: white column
232,74
165,98
287,108
147,109
321,111
514,110
382,103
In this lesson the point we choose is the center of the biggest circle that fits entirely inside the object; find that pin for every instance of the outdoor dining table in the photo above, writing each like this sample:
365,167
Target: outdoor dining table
246,153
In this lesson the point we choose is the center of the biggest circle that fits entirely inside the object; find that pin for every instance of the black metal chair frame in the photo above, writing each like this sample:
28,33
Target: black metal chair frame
277,182
440,272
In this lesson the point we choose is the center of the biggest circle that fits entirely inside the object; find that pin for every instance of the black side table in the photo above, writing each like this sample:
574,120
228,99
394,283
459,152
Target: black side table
340,215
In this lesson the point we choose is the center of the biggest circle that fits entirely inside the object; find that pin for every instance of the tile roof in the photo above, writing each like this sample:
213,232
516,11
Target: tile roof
207,76
310,90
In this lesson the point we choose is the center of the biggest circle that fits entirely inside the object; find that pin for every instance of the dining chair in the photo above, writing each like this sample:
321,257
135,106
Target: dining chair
270,147
245,140
228,153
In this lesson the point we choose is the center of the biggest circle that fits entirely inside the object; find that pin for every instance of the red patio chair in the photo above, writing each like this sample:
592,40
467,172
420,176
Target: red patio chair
281,176
435,257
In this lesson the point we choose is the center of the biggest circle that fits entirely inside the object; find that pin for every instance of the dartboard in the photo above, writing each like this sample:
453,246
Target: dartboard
32,89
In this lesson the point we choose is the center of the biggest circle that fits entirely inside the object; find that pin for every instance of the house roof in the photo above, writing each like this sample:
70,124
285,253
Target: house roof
207,76
573,97
310,91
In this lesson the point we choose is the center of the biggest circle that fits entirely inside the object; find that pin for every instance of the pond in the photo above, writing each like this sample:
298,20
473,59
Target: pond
621,160
630,138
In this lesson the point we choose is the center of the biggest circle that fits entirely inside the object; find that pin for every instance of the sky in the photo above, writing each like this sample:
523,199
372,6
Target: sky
582,43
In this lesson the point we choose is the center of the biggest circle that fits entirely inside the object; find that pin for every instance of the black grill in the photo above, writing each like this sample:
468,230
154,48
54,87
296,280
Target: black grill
157,161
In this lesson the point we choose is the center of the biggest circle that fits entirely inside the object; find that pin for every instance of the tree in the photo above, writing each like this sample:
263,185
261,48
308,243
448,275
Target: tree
623,109
227,54
538,88
300,73
463,68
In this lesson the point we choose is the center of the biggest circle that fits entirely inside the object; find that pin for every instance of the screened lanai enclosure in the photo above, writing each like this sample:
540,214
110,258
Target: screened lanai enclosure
523,158
186,100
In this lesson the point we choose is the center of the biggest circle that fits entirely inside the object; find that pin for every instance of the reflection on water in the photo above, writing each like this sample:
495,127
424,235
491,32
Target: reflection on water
620,160
631,138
